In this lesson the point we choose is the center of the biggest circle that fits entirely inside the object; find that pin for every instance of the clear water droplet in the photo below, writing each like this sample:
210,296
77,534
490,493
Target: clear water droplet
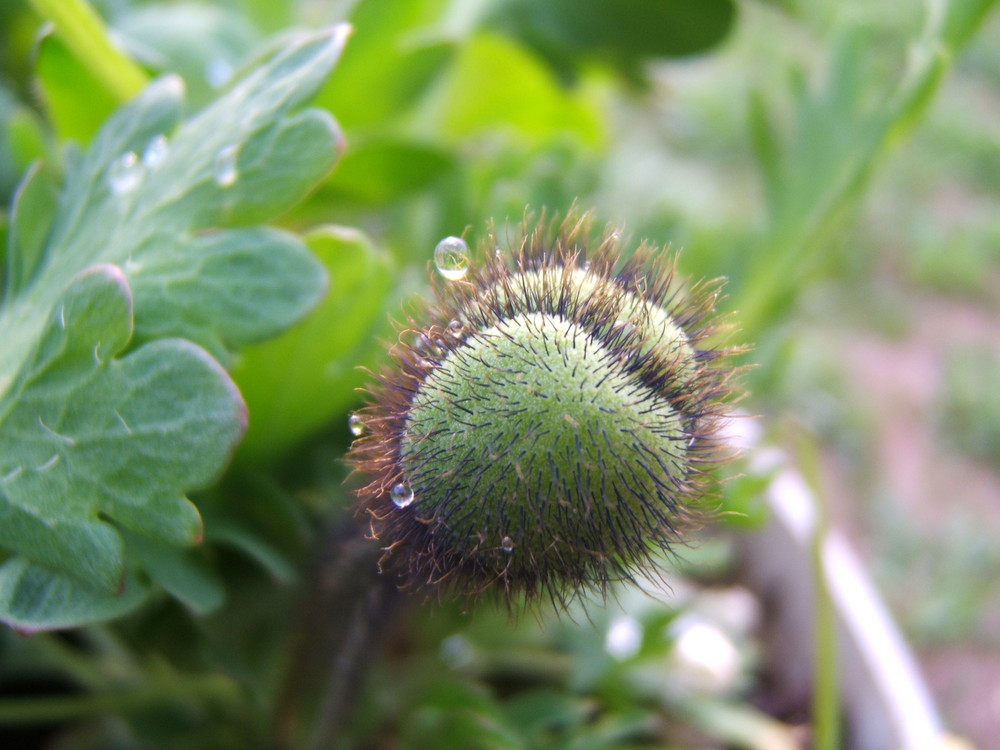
456,328
356,425
507,544
586,265
451,257
156,151
218,71
401,495
125,173
225,166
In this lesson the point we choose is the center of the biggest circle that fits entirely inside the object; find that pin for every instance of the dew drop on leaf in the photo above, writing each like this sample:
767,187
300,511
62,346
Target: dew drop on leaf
218,71
401,495
451,257
156,151
507,544
225,166
125,173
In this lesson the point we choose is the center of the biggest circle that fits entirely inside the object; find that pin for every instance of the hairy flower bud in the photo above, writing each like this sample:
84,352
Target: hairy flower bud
548,423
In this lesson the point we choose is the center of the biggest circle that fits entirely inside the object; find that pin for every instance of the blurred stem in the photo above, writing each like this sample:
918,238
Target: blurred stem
794,243
339,631
79,26
185,690
826,677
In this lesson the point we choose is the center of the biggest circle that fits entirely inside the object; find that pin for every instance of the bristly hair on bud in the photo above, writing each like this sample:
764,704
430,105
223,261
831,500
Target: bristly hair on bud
549,423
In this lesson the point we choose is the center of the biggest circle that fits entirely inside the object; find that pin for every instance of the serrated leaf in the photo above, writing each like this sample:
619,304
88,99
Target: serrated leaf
95,439
33,598
297,382
87,437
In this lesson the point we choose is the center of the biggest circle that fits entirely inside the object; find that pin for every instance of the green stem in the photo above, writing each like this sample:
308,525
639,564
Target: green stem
826,675
79,26
41,710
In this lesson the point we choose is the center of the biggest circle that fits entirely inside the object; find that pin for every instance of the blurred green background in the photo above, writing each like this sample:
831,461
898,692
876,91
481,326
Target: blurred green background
837,160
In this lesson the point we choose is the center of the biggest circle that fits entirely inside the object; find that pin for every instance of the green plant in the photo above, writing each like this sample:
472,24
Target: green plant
549,423
175,377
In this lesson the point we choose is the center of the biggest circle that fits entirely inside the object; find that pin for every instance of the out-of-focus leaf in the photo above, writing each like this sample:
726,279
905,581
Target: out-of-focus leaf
497,86
455,715
296,383
203,44
624,33
380,171
393,57
75,100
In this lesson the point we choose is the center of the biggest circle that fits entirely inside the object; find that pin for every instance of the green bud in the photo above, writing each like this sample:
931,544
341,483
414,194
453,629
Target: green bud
548,424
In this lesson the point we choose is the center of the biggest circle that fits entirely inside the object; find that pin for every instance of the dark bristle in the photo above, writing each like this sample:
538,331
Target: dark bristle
579,527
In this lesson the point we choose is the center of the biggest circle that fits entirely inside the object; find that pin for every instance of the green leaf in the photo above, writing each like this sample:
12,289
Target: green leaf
183,573
496,85
296,383
203,44
31,217
79,26
394,57
624,33
382,170
34,598
75,101
87,437
97,439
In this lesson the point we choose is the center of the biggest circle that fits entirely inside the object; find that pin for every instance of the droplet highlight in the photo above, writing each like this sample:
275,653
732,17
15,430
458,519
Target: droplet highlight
401,495
125,173
456,328
356,425
225,166
156,151
507,544
451,258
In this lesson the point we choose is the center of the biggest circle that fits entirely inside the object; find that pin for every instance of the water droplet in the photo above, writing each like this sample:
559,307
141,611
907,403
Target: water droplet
156,151
455,328
401,495
125,173
356,425
225,166
451,256
507,544
218,71
586,265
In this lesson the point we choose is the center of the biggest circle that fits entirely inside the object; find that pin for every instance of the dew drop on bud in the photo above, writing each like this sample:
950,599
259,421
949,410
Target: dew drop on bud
225,166
455,328
356,425
401,495
125,173
451,258
507,544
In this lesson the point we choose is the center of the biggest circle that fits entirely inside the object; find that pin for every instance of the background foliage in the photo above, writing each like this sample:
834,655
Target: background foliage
214,209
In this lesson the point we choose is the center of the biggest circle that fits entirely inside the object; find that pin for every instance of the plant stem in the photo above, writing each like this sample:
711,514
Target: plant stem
63,708
79,26
826,677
